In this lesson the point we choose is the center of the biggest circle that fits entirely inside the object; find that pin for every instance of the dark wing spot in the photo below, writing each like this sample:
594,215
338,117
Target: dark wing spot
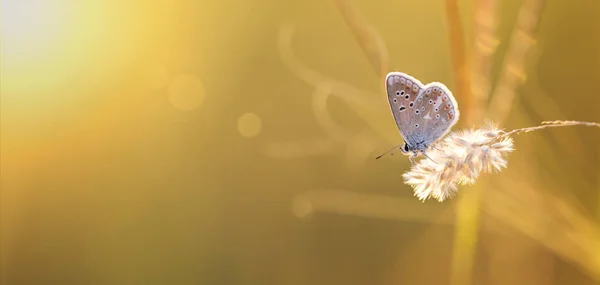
402,108
430,101
407,96
437,109
422,108
437,116
420,98
395,100
401,93
417,112
416,125
397,92
411,104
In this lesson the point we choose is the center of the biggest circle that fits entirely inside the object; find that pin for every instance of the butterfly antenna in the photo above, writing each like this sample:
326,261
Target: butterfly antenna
392,149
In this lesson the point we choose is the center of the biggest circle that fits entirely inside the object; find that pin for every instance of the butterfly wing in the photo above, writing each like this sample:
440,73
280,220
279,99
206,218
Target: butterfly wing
434,113
402,90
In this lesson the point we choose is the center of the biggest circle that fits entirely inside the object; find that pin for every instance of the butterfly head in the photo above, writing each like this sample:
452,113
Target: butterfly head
413,150
406,149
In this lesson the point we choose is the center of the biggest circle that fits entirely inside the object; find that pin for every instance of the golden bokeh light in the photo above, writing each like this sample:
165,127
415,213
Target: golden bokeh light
249,125
301,206
186,92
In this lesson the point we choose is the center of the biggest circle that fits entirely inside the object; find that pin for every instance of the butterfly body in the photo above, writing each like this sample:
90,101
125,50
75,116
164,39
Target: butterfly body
423,113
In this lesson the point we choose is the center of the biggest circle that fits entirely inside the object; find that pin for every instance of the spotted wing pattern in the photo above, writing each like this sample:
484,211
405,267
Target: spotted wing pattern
402,91
434,113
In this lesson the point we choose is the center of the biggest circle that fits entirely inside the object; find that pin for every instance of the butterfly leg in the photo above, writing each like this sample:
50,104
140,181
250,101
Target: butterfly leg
436,148
429,157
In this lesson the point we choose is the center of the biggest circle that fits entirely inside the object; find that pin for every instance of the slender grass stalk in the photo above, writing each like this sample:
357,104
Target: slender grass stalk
597,261
513,68
550,124
460,63
369,40
468,208
500,108
486,43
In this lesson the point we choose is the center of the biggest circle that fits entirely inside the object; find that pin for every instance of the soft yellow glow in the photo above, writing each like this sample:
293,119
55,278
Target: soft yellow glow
156,76
186,92
249,125
52,48
30,26
32,33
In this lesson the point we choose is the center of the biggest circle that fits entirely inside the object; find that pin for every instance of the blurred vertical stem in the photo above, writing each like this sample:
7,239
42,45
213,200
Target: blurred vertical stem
501,103
368,39
598,209
460,64
485,45
512,76
512,73
465,237
467,219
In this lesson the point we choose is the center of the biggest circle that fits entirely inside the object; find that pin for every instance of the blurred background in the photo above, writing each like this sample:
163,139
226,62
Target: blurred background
233,142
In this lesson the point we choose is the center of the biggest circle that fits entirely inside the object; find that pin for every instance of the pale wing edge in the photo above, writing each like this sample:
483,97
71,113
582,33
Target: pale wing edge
452,100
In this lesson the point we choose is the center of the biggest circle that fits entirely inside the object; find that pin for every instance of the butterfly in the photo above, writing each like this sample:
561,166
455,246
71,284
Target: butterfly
423,113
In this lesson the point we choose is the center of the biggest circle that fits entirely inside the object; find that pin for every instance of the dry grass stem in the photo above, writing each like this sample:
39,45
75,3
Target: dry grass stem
468,213
340,202
550,220
323,117
551,124
313,78
460,64
369,40
486,43
513,68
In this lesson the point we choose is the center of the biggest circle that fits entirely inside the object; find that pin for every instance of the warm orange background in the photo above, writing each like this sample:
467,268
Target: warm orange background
191,142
